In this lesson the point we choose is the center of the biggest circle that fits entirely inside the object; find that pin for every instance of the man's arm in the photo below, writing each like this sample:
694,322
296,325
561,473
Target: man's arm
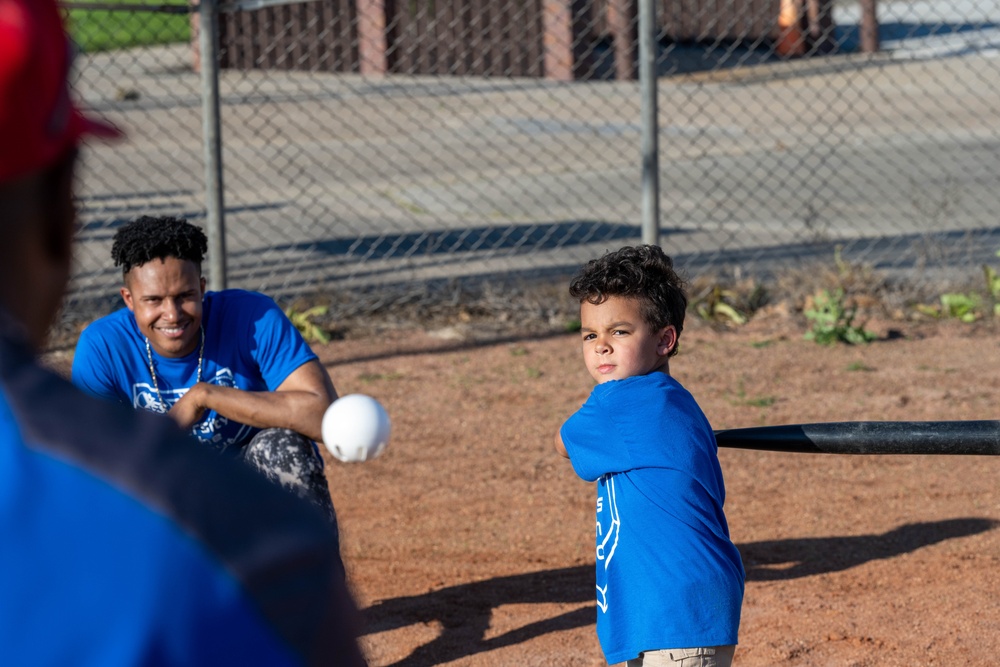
298,403
91,368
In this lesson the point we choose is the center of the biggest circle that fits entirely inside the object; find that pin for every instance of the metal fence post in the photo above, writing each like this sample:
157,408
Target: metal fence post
648,30
212,138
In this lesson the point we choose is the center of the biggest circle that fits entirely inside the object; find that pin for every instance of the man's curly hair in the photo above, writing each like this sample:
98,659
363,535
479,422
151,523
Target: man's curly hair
148,238
644,273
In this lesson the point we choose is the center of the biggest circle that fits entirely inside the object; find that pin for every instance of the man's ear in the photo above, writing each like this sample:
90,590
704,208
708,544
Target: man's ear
667,340
203,283
127,297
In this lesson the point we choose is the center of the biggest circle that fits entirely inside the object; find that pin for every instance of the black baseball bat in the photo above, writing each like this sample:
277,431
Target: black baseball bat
941,437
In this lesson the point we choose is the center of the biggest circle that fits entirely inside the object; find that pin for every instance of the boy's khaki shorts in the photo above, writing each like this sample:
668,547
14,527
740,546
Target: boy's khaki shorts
709,656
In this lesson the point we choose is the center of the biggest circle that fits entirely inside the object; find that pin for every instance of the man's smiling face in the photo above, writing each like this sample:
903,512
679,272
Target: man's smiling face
165,296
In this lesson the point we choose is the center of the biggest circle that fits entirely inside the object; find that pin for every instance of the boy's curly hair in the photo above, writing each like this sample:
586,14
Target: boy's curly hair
148,238
644,273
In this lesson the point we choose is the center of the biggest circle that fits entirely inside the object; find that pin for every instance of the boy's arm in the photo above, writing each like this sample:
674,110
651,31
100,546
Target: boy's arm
560,447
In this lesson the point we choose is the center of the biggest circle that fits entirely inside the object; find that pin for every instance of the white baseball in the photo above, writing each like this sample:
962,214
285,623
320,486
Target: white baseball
356,428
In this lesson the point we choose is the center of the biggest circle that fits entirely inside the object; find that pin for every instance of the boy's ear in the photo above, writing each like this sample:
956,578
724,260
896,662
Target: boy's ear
667,341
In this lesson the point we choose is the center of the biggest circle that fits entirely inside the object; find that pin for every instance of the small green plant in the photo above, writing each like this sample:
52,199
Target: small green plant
859,366
967,306
993,285
741,398
833,320
954,305
713,305
303,321
964,307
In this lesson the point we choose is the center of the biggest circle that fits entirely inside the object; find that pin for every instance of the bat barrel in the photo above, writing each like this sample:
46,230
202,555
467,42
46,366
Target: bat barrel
932,437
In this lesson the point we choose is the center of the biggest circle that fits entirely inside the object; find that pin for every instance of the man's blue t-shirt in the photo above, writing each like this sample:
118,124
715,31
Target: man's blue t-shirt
249,344
668,575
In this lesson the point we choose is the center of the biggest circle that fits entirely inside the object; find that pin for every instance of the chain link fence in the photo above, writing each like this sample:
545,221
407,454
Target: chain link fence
380,152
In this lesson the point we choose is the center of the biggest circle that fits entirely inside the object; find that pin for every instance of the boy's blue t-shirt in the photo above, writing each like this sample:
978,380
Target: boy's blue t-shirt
249,344
668,575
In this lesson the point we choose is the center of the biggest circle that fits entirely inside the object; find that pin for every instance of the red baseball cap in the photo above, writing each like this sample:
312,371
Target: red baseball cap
38,120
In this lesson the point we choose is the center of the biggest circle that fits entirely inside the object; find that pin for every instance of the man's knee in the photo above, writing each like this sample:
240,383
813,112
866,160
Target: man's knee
282,450
292,460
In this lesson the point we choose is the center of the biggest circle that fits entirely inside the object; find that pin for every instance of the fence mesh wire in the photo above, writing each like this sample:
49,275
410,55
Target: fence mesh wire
379,149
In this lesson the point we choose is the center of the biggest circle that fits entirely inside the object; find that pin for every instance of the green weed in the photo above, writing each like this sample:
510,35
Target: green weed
752,401
719,304
303,321
760,401
954,305
967,306
833,320
964,307
713,306
859,366
993,286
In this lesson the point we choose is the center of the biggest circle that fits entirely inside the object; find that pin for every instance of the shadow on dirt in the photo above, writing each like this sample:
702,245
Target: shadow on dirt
777,560
464,611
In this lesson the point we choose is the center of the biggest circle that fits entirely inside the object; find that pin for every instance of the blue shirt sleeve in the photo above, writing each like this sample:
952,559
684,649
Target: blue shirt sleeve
593,441
92,367
277,347
647,421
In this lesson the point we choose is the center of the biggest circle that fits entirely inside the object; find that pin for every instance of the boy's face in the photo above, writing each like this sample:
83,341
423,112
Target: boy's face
617,342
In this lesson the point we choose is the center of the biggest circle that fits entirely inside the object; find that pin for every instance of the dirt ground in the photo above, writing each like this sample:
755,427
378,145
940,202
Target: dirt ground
471,543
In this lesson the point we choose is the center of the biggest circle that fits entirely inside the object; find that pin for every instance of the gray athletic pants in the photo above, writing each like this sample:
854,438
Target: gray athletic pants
291,460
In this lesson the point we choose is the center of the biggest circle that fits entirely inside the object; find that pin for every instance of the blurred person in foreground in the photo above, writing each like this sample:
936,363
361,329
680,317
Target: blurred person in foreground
123,542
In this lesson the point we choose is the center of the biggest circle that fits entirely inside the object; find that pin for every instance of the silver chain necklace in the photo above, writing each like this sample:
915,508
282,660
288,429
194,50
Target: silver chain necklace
152,369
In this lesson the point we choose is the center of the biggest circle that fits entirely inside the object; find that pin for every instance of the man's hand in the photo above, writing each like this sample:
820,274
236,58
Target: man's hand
190,408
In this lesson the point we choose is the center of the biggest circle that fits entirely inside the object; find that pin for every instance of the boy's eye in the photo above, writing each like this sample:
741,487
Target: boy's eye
620,332
589,336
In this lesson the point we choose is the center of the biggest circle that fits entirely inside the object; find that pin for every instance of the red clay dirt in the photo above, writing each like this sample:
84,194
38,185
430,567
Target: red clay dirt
469,542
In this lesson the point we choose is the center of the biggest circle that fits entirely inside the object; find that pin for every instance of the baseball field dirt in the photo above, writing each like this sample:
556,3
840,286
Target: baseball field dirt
470,542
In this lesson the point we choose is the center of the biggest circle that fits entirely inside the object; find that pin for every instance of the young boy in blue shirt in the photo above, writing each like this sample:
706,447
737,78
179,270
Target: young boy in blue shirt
669,579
